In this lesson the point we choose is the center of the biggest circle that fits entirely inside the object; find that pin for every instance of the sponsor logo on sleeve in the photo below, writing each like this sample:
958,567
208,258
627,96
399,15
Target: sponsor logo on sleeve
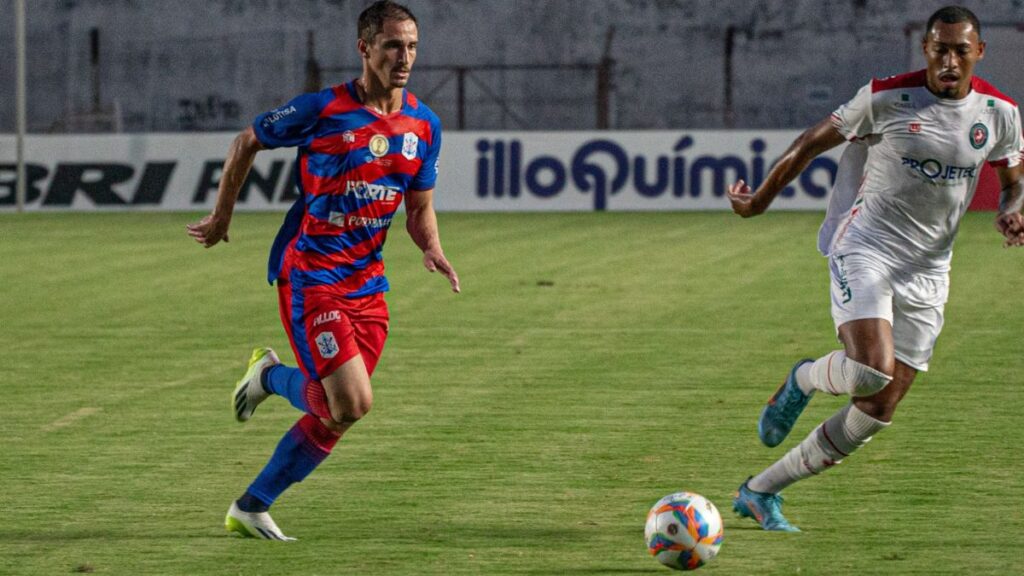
914,128
277,114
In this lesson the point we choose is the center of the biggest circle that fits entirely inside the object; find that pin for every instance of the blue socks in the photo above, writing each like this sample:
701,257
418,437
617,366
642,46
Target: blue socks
287,382
301,449
298,453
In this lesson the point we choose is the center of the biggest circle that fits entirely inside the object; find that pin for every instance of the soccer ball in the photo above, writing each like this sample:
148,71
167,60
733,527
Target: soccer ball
683,531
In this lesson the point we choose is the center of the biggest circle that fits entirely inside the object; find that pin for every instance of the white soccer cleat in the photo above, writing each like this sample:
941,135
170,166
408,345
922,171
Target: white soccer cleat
253,525
249,391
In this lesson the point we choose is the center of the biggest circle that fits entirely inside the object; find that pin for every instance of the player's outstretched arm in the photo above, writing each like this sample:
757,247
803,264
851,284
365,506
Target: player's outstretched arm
817,139
421,223
214,227
1010,220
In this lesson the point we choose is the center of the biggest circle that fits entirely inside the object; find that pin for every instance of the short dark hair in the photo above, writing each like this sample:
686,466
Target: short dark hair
953,15
371,20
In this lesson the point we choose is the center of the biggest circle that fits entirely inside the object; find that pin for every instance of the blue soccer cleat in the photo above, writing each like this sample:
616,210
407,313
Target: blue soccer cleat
782,410
765,509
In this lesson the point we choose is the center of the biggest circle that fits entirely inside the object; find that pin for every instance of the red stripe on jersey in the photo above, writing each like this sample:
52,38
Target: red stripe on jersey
377,209
374,209
343,102
360,138
908,80
398,124
313,261
316,185
336,144
349,284
411,100
983,87
370,172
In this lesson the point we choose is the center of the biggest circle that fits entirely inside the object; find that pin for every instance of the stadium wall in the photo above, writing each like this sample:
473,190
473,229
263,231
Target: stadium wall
212,65
479,171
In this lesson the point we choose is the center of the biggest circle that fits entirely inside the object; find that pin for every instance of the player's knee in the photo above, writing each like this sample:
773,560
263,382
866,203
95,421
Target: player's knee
336,427
881,408
360,409
351,412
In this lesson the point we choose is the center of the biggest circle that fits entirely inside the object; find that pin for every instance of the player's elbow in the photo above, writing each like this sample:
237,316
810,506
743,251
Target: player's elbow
247,143
806,147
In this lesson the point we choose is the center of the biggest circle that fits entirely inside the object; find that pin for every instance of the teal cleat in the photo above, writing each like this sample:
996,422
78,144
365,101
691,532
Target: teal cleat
765,509
782,410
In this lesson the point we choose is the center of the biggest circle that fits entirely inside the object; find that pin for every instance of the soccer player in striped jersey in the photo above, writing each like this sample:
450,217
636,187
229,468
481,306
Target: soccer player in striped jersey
363,148
918,144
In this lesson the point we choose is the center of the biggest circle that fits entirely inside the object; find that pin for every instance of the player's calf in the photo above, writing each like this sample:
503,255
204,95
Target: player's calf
841,435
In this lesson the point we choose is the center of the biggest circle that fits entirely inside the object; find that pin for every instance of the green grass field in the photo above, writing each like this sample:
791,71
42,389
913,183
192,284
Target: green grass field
593,363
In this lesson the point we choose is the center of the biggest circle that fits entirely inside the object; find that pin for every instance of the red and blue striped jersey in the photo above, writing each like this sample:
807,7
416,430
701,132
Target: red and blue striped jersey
354,167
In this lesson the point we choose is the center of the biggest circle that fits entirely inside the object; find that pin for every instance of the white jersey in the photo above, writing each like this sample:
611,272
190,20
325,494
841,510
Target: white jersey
923,158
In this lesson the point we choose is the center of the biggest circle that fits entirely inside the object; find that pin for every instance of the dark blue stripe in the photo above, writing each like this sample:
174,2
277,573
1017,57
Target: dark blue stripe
332,245
331,165
372,286
326,165
423,112
304,278
299,329
289,228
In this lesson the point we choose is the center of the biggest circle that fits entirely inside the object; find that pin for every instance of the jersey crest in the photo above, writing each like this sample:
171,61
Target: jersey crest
979,136
327,345
409,145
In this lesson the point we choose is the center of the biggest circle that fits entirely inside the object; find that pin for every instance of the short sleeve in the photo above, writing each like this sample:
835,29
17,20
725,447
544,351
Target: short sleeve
293,124
855,119
1007,151
426,178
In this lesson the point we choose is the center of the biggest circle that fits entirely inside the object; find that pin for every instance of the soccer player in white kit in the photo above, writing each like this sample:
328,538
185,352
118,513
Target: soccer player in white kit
918,142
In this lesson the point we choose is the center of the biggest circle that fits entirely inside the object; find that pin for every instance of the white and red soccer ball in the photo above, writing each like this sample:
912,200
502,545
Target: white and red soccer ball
683,531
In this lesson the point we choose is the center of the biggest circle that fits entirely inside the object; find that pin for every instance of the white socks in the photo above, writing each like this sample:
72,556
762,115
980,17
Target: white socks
836,374
827,445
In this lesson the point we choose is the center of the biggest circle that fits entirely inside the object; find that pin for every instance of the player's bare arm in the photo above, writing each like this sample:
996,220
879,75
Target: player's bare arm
816,140
1010,220
421,223
214,227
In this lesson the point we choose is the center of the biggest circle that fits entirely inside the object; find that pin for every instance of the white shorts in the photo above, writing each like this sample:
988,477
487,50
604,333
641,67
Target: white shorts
865,286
